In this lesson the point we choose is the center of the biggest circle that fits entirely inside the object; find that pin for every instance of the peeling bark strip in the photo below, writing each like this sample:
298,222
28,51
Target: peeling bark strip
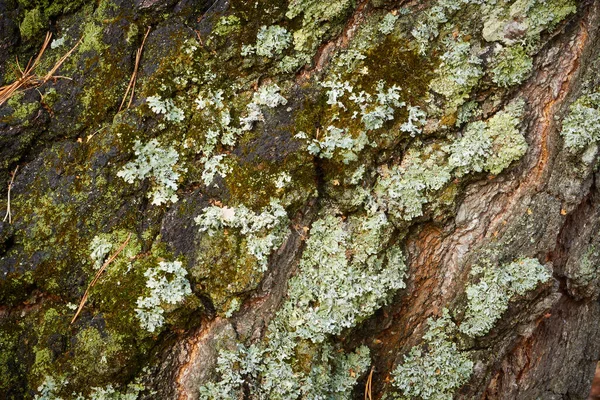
348,199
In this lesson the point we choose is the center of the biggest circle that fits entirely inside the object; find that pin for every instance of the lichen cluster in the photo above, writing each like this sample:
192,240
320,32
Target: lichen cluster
330,293
167,284
581,126
263,232
488,299
159,164
436,368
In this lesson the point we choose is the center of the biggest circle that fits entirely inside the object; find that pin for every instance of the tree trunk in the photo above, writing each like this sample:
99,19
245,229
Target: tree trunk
299,199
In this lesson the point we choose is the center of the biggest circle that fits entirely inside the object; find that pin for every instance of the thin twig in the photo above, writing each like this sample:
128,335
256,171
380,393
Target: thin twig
60,62
28,77
89,137
100,271
368,385
131,86
10,185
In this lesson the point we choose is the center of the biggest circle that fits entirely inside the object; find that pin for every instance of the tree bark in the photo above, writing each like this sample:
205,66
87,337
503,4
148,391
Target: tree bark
70,140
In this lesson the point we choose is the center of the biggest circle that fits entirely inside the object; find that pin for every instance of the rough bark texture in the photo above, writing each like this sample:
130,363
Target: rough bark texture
70,141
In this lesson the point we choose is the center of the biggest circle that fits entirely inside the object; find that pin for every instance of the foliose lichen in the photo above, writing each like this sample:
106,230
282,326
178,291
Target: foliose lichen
160,164
345,273
435,369
264,231
270,41
491,145
489,298
511,66
582,124
167,284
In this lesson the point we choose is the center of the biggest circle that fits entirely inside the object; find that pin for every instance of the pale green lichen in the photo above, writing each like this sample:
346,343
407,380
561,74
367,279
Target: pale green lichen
318,21
270,42
267,95
56,43
527,17
335,290
490,146
582,125
435,369
50,388
346,272
416,121
167,284
488,299
511,66
264,231
428,26
471,151
153,161
166,107
99,249
403,189
508,144
335,139
375,113
459,72
332,376
386,26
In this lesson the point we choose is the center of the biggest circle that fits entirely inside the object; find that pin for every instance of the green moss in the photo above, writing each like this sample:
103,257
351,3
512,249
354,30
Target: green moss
39,12
11,371
33,22
53,8
92,38
22,111
97,355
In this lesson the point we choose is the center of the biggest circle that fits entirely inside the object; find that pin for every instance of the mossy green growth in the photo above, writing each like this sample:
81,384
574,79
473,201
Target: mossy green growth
33,22
489,298
38,13
21,110
435,369
11,371
98,353
227,25
92,38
